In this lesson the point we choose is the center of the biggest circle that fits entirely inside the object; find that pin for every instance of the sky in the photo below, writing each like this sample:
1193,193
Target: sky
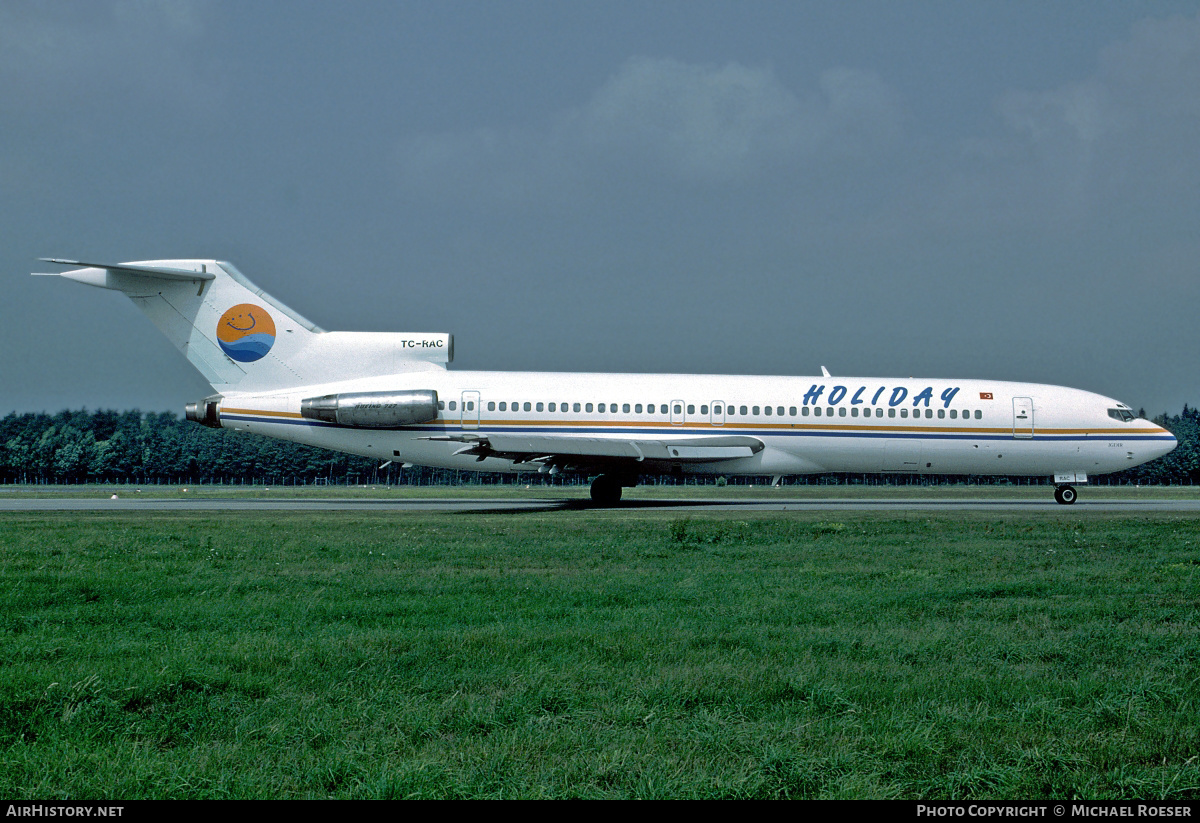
1003,190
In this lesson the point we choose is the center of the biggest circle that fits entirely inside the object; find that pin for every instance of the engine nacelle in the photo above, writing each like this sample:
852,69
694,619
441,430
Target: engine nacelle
207,412
372,410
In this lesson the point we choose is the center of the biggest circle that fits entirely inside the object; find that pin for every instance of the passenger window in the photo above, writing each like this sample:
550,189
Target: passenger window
678,409
767,411
891,412
625,408
928,413
779,411
453,405
575,407
600,408
470,405
941,413
441,405
552,407
588,407
829,412
527,408
804,410
662,409
817,411
954,414
540,407
742,412
491,405
854,412
792,411
904,412
841,411
638,408
756,410
704,409
691,408
978,414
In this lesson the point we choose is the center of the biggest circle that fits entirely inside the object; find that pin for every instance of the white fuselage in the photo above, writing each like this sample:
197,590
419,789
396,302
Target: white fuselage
807,424
390,396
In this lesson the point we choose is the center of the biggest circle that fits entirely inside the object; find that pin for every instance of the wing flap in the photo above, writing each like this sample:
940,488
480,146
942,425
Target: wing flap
555,449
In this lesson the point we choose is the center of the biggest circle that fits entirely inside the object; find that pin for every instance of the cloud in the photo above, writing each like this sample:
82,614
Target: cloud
700,124
79,57
1137,117
1106,149
713,124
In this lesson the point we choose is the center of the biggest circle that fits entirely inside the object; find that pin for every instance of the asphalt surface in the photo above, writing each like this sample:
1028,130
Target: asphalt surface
130,504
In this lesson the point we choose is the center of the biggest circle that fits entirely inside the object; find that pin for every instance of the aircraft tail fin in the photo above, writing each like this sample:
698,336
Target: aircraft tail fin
242,339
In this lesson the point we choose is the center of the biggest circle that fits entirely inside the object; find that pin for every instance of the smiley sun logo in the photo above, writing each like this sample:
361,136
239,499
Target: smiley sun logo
246,332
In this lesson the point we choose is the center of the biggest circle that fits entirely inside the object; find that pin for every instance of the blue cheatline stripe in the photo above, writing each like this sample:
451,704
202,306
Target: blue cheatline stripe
711,430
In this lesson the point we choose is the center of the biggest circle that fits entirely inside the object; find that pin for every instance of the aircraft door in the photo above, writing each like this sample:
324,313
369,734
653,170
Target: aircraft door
717,417
1023,417
677,413
470,410
901,456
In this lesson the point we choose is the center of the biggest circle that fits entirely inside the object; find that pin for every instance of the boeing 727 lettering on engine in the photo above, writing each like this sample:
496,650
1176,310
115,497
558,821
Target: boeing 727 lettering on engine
391,396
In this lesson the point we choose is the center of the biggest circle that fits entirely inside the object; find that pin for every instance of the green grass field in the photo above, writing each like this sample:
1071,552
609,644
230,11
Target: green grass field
599,654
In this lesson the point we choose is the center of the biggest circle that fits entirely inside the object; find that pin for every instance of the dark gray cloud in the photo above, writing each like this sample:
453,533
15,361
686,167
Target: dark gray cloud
961,189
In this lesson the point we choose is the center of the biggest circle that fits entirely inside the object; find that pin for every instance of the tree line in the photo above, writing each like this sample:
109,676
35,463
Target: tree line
159,447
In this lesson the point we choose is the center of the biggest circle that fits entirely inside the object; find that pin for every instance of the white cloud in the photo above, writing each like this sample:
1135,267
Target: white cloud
1141,109
714,124
1118,142
60,56
703,124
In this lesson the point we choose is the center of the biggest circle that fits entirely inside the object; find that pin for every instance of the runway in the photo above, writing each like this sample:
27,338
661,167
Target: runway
453,505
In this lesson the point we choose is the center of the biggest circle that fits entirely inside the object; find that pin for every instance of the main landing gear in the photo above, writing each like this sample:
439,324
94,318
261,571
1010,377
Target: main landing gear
606,489
1065,494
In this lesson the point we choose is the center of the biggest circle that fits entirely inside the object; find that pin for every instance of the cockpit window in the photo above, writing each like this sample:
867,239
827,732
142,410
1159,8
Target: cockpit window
1124,415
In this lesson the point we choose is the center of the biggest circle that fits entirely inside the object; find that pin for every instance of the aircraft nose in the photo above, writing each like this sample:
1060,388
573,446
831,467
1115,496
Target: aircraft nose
1166,445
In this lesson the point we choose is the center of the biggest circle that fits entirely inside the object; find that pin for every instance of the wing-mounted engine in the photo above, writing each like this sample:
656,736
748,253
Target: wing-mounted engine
372,410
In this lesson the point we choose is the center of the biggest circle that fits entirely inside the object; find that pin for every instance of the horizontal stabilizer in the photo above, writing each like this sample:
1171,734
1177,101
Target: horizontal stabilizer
141,271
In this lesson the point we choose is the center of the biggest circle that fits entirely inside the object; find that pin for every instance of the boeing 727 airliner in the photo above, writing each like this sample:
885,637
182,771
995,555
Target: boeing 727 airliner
390,396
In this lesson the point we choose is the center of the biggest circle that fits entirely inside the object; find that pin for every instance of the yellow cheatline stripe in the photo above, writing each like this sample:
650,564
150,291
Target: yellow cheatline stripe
700,426
261,412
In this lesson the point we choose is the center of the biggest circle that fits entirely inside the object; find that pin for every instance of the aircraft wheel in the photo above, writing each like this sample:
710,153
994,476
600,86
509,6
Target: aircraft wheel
606,490
1065,495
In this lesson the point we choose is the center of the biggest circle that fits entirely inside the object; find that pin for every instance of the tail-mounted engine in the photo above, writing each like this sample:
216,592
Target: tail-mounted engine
206,412
372,410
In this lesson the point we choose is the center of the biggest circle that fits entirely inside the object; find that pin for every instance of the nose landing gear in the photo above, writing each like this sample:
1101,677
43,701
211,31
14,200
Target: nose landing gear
1065,494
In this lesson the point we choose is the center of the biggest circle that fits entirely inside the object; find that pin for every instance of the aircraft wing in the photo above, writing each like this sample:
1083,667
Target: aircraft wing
565,451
